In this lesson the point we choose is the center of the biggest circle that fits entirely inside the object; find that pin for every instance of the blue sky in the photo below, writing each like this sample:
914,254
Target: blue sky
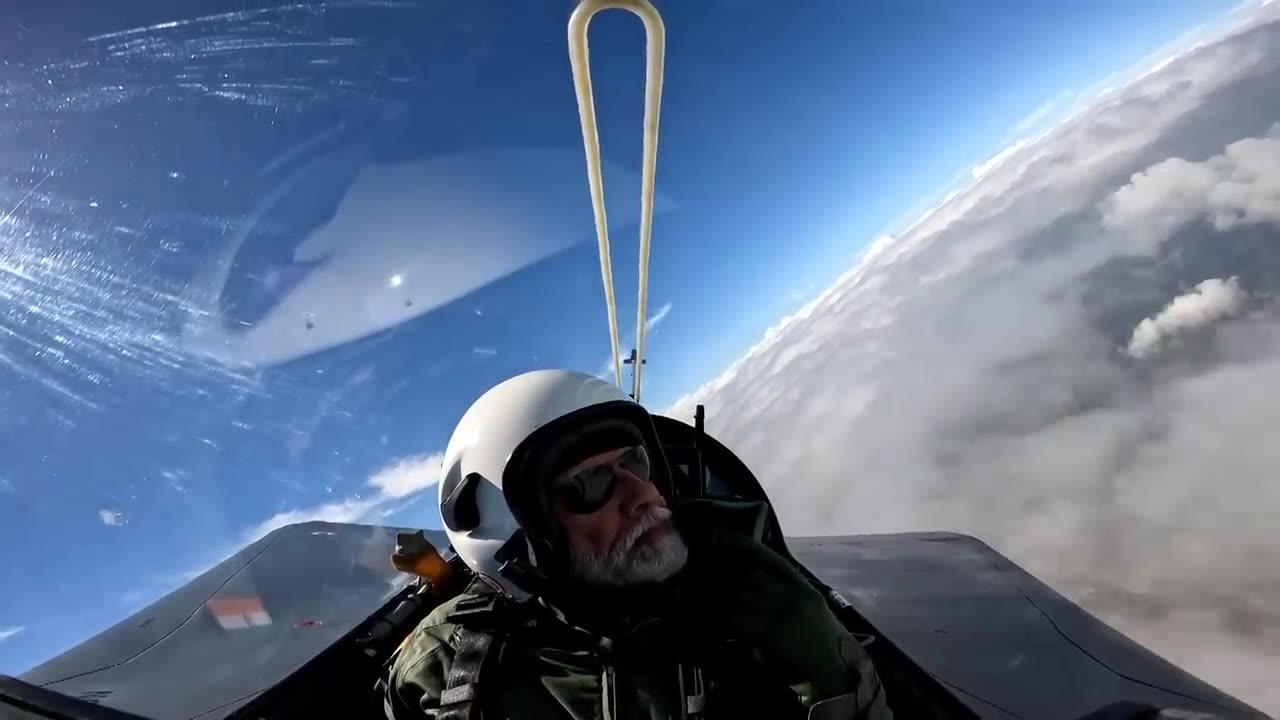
399,196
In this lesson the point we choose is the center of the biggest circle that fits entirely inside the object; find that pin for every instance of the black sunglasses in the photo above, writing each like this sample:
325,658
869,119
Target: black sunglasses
587,490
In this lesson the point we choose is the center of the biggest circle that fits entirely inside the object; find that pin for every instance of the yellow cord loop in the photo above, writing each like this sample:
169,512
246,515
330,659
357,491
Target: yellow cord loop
655,48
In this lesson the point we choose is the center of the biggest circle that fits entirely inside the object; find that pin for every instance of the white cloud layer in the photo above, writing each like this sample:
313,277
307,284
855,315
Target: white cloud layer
961,376
392,485
1212,300
657,317
1240,186
8,632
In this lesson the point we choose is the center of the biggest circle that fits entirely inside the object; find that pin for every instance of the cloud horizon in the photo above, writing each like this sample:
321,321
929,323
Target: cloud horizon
973,372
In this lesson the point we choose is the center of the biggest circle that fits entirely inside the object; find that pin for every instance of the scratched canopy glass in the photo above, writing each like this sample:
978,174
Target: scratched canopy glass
254,264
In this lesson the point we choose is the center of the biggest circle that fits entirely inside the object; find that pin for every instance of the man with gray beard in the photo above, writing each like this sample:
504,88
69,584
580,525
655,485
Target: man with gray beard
598,593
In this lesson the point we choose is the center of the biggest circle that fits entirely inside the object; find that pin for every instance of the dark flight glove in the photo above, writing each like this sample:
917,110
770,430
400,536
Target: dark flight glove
737,588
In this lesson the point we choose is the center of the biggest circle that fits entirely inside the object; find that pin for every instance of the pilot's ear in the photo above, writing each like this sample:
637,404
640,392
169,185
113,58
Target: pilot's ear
460,511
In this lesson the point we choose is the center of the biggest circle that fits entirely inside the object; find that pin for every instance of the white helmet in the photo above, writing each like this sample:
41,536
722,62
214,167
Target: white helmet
483,501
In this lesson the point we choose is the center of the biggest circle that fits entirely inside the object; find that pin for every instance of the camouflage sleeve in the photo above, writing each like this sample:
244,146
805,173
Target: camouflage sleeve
419,671
861,696
737,587
868,694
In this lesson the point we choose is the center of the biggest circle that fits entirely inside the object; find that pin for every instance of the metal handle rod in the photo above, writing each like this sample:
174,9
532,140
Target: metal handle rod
655,50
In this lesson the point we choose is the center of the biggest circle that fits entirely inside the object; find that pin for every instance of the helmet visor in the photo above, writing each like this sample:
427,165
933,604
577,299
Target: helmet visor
587,490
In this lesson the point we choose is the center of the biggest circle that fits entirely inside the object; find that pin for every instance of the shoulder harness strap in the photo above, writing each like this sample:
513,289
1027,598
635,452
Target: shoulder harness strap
481,621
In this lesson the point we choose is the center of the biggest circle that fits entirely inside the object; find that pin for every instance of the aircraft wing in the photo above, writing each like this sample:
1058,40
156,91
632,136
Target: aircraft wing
1006,644
239,628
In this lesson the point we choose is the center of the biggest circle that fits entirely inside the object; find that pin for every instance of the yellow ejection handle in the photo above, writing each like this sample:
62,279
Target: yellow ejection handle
655,50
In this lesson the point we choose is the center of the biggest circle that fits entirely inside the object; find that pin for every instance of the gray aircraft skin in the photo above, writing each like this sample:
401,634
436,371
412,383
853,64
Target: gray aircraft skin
973,627
1005,643
190,655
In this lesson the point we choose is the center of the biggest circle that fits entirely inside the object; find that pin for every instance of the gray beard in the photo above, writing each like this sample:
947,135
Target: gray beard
630,562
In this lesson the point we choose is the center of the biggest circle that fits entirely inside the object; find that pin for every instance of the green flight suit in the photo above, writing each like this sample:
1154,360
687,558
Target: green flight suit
791,655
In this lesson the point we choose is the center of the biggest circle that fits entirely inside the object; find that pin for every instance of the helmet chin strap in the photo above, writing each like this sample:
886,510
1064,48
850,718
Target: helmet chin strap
517,565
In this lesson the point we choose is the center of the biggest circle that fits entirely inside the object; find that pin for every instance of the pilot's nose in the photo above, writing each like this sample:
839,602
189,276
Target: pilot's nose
638,495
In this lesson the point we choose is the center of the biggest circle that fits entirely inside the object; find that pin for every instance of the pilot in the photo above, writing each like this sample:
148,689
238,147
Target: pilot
594,596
